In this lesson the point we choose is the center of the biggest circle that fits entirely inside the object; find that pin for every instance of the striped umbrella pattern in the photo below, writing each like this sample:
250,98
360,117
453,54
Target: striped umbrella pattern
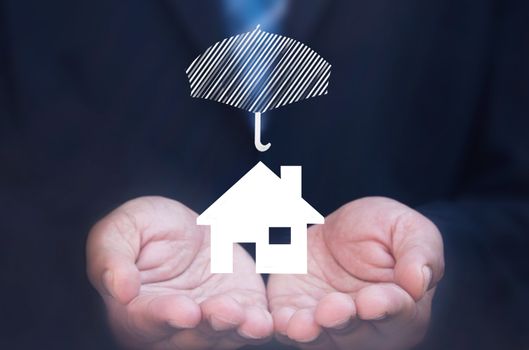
258,71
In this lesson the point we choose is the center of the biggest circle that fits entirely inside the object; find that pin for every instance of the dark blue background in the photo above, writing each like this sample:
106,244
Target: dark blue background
428,104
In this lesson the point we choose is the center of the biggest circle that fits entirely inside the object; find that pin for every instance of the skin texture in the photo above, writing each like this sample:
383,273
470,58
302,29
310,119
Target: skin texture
150,262
372,271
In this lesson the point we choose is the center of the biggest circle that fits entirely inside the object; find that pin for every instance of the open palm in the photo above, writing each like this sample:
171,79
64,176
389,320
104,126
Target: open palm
150,262
372,271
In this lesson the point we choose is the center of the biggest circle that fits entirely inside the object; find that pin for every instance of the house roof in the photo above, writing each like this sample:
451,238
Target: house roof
261,196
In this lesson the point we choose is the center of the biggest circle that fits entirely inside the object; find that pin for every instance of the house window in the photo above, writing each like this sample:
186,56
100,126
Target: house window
279,235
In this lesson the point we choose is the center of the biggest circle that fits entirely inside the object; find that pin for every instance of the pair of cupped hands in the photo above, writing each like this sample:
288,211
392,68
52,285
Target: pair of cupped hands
372,272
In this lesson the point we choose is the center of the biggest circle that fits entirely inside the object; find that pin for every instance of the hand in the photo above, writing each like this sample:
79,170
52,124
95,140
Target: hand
372,271
150,262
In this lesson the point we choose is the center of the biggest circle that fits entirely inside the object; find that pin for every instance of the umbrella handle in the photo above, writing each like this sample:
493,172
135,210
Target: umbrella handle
257,134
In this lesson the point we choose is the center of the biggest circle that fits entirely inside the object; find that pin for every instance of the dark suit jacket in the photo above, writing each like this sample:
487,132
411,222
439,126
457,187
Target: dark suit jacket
428,104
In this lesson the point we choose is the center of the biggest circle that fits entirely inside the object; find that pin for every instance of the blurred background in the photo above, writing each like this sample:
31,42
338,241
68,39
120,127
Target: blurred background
428,104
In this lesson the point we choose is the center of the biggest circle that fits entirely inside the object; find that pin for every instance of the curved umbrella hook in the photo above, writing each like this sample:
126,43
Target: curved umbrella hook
257,134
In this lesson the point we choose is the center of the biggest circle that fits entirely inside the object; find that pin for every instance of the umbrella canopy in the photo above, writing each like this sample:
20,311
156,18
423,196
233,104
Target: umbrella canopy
258,71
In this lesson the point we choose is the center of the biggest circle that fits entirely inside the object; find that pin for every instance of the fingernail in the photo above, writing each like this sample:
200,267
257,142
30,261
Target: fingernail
176,324
220,325
342,324
108,281
380,317
246,335
427,277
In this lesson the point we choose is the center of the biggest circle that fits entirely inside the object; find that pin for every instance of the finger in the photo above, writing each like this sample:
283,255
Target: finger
112,247
418,249
402,323
335,310
222,312
153,317
284,339
302,326
281,318
385,302
257,324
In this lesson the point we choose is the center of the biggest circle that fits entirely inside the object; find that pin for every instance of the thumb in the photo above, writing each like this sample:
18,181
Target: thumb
112,249
418,250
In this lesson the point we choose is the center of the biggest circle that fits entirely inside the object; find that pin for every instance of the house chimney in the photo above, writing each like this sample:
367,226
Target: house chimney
291,178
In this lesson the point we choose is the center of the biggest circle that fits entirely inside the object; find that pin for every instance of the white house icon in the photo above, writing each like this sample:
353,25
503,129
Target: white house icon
257,203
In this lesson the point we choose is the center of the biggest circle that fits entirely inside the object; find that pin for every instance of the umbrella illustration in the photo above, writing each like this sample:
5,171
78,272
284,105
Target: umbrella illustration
258,71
